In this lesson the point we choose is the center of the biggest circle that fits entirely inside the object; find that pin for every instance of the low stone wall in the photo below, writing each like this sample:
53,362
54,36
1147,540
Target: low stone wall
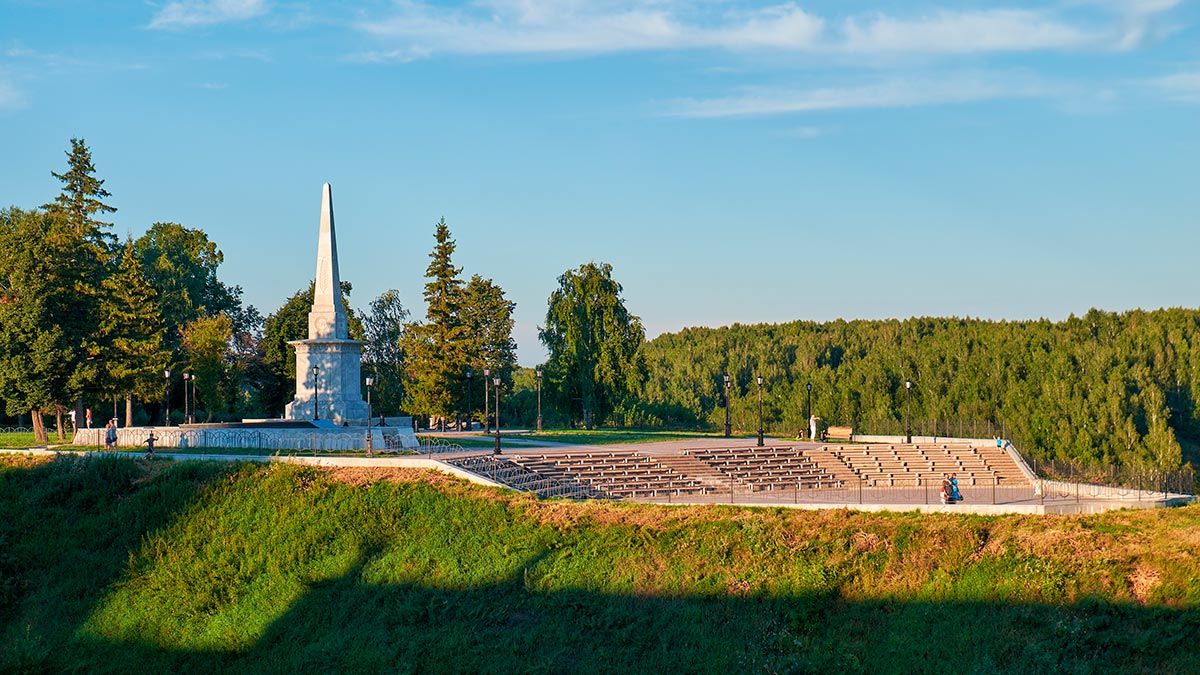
342,439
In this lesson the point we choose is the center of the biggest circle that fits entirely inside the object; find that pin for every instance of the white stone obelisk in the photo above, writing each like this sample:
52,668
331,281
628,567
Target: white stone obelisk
328,363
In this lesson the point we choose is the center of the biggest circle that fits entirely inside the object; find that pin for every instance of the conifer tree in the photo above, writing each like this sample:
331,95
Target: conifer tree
132,333
87,254
81,199
435,348
487,317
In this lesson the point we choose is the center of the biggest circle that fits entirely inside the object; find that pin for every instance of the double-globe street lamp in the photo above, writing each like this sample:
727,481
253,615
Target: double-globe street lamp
370,441
907,411
539,385
496,384
760,416
728,390
316,371
167,399
187,418
487,418
470,412
808,411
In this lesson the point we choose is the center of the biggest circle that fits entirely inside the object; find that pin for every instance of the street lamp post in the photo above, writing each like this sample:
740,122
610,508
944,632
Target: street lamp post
167,400
487,417
195,401
539,417
808,409
470,413
728,390
187,419
316,371
760,418
370,440
907,411
496,384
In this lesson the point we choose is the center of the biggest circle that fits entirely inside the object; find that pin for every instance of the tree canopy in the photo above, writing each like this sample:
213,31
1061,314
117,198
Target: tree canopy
594,342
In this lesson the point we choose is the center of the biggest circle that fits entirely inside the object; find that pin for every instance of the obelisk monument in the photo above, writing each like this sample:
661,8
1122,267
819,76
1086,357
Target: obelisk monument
328,363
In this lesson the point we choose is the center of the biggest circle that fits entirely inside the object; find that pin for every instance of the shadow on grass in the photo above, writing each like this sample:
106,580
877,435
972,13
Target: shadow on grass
349,623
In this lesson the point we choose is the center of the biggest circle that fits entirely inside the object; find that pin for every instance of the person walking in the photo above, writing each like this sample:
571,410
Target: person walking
87,418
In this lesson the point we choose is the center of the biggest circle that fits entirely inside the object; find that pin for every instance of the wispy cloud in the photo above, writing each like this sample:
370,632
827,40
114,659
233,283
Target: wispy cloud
416,29
1000,30
11,98
516,27
190,13
1184,86
887,93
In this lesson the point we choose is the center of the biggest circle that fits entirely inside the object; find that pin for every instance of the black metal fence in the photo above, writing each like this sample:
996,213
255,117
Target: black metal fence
1179,481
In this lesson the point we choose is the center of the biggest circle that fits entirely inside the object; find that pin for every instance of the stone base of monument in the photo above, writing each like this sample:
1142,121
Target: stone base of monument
264,435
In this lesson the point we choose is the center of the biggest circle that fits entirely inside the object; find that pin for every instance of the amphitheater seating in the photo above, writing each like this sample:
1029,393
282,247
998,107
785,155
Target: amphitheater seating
921,463
518,477
766,469
617,474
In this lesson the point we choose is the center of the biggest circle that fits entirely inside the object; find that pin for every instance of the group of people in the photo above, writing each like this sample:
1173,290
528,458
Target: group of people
950,493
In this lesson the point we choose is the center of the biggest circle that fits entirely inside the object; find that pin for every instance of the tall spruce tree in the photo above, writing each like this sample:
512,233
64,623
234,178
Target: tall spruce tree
435,348
81,199
133,333
89,252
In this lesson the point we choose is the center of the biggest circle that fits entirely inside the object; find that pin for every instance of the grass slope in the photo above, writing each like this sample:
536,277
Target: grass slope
117,565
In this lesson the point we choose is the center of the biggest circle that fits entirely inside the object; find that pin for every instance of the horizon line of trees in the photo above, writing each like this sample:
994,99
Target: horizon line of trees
86,319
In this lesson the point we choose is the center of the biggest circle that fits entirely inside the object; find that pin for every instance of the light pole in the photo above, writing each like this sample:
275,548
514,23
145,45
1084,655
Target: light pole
316,371
808,409
728,389
760,424
539,419
487,417
907,410
370,441
470,413
187,419
496,384
167,400
195,401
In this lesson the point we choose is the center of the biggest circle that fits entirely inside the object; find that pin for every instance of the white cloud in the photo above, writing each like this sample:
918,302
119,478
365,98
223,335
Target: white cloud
1180,86
566,27
889,93
190,13
11,98
999,30
416,29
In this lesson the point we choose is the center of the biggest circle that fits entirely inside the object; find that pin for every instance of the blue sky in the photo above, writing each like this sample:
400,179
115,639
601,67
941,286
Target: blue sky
734,161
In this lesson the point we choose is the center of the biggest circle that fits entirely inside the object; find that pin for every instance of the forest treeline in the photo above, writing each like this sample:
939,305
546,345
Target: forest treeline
1104,387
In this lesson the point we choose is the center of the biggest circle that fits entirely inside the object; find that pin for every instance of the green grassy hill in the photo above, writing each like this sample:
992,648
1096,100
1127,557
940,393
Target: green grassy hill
122,566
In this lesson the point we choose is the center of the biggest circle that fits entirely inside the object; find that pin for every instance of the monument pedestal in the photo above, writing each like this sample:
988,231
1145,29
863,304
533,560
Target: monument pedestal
336,386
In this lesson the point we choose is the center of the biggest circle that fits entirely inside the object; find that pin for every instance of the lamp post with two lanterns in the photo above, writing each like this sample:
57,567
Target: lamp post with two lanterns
370,440
728,390
496,384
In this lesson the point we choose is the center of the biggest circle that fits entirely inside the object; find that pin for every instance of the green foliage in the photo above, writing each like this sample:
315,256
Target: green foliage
488,318
181,263
435,349
206,347
594,342
383,356
121,566
81,199
48,313
132,332
1104,387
